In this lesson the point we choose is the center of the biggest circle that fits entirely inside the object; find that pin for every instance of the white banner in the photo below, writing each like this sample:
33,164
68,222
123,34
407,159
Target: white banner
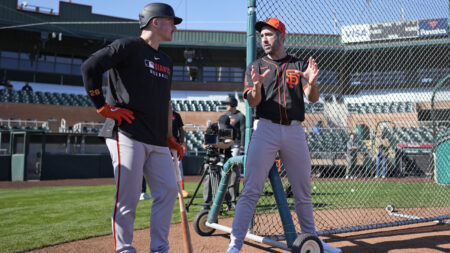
355,33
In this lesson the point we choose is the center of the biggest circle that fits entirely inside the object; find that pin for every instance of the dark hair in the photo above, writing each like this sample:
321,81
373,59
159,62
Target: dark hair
278,33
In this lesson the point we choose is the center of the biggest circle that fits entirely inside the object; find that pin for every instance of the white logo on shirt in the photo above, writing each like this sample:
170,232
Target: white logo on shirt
149,64
156,58
157,69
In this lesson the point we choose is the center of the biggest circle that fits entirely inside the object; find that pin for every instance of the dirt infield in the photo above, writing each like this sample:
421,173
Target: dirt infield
423,237
106,181
70,182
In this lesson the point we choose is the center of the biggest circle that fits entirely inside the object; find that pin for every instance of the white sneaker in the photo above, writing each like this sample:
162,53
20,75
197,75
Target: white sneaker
145,196
232,250
329,249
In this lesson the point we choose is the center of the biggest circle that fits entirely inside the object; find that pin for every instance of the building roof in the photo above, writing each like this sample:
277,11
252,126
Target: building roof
110,28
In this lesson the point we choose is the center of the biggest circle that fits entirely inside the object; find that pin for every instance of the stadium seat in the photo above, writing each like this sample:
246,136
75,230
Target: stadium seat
409,107
377,108
318,107
352,108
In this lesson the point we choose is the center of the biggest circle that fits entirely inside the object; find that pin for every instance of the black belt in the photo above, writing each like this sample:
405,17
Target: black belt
279,121
282,122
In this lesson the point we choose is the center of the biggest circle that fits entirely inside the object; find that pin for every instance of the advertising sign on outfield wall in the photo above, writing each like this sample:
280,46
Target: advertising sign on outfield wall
394,30
355,33
433,27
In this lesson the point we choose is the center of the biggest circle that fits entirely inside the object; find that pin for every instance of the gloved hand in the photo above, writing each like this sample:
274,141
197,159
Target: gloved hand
116,113
173,144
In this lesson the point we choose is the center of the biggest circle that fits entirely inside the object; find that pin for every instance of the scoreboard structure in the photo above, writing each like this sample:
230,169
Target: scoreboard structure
394,30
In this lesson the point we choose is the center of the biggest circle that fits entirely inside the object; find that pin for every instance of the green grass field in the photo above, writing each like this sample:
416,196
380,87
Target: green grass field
348,194
37,217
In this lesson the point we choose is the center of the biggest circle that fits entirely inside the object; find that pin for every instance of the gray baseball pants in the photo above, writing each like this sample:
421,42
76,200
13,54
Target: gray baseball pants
267,139
235,178
132,160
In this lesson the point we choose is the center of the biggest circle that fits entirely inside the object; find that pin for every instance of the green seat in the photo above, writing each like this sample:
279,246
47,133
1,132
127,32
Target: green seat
409,107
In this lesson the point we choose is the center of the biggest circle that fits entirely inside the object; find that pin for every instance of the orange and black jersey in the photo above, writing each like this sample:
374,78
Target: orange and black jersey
282,90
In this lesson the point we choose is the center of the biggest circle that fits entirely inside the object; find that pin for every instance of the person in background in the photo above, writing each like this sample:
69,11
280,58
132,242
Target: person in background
27,87
178,133
382,146
144,194
6,84
352,153
237,122
317,128
223,149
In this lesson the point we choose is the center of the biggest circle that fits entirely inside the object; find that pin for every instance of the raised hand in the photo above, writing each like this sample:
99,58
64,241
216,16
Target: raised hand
116,113
311,73
257,78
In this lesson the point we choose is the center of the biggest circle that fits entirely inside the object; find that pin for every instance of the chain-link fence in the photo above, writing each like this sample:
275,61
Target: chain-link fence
379,64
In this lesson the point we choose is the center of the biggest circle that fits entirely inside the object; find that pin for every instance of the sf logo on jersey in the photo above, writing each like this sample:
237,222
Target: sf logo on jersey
292,78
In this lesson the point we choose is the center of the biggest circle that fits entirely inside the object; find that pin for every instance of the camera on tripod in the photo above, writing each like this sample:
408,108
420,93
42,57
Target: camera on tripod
213,134
218,141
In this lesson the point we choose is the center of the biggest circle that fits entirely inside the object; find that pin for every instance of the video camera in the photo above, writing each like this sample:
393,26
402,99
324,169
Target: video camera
213,134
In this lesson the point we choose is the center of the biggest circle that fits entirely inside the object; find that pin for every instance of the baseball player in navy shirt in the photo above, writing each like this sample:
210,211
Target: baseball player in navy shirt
275,85
138,123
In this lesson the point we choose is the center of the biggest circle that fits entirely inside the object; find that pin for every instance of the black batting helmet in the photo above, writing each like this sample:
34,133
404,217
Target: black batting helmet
232,101
156,10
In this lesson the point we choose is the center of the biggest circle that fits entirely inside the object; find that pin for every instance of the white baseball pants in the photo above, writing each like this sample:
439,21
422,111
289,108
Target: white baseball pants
132,160
267,139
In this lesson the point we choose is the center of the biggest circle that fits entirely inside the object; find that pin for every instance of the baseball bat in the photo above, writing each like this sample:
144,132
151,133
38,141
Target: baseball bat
184,221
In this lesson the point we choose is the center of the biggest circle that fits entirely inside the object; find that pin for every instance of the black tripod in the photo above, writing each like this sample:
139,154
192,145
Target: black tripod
212,167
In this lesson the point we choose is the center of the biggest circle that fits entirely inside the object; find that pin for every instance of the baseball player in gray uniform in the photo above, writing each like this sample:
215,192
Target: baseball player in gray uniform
275,85
138,123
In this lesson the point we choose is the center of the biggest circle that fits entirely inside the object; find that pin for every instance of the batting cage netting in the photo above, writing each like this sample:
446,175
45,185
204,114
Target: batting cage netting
384,78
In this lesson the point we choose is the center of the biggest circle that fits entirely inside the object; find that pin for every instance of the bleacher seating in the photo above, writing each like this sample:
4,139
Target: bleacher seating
54,98
380,107
413,135
194,141
314,107
26,125
324,142
50,98
197,105
329,142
